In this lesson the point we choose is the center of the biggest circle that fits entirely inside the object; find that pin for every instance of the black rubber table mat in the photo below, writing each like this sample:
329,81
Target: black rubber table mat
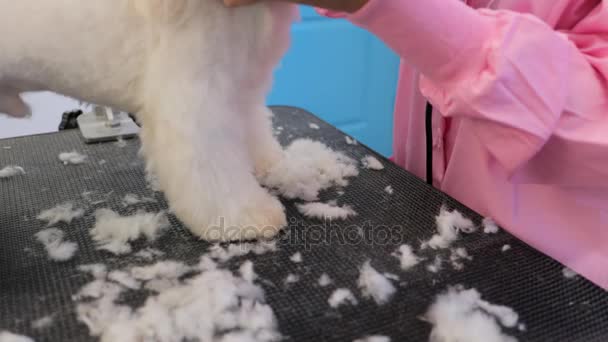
552,307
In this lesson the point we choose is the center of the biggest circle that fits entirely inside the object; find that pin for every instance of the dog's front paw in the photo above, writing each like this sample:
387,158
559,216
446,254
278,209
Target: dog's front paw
261,218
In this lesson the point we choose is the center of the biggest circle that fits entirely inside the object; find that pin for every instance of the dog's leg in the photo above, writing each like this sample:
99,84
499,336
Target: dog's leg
265,149
12,104
196,145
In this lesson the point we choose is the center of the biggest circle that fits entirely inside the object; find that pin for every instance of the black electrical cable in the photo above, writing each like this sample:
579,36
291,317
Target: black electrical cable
429,143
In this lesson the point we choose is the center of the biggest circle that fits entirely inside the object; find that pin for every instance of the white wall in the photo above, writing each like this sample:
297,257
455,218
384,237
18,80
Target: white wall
47,109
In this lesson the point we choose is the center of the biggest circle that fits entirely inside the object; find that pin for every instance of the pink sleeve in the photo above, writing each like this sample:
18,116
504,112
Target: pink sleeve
520,82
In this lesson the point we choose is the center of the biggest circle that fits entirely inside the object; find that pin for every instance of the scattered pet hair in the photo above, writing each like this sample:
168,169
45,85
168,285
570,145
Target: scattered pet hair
324,280
149,253
113,232
462,315
57,249
457,256
121,143
292,278
350,141
132,199
435,266
233,250
73,158
6,336
391,276
340,297
372,163
449,224
505,248
98,271
521,327
489,226
65,212
568,273
93,198
374,338
307,168
7,147
43,323
212,306
11,171
101,162
326,211
166,269
125,279
389,190
247,272
314,126
375,285
406,256
296,257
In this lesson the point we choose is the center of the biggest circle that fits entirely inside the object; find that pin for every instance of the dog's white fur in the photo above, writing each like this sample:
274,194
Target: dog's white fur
193,71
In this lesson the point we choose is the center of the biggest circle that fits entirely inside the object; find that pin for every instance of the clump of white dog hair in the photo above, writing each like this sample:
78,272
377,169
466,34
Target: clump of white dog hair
214,305
489,226
324,280
296,257
11,171
341,296
291,278
314,126
326,211
132,199
375,285
65,212
43,323
113,232
435,266
389,190
234,250
73,158
449,224
457,257
308,167
6,336
505,248
149,253
374,338
372,163
406,257
568,273
350,141
56,247
462,315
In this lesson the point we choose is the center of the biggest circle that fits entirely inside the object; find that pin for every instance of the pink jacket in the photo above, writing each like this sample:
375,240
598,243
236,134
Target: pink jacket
520,128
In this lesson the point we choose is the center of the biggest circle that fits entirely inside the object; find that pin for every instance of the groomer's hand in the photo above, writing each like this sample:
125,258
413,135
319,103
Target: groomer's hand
334,5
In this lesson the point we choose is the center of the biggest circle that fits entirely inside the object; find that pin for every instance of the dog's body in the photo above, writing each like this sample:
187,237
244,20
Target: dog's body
195,73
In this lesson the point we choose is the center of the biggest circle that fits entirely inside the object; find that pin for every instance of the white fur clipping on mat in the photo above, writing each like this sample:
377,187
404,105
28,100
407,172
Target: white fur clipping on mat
307,168
372,163
374,338
132,199
113,232
57,249
6,336
505,248
72,158
568,273
449,224
11,171
296,257
340,297
435,266
234,250
389,190
461,315
62,213
325,211
350,141
42,323
458,256
489,226
202,308
324,280
375,285
406,257
314,126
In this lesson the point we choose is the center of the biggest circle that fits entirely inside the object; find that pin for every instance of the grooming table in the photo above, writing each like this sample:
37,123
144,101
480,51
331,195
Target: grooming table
552,307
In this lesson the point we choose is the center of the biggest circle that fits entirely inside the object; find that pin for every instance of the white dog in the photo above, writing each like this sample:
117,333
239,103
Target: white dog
194,72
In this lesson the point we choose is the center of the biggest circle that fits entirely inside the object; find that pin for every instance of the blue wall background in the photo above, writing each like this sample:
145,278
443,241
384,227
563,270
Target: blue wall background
342,74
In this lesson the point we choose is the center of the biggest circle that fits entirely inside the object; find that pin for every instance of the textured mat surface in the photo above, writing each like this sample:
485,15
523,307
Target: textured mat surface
552,307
